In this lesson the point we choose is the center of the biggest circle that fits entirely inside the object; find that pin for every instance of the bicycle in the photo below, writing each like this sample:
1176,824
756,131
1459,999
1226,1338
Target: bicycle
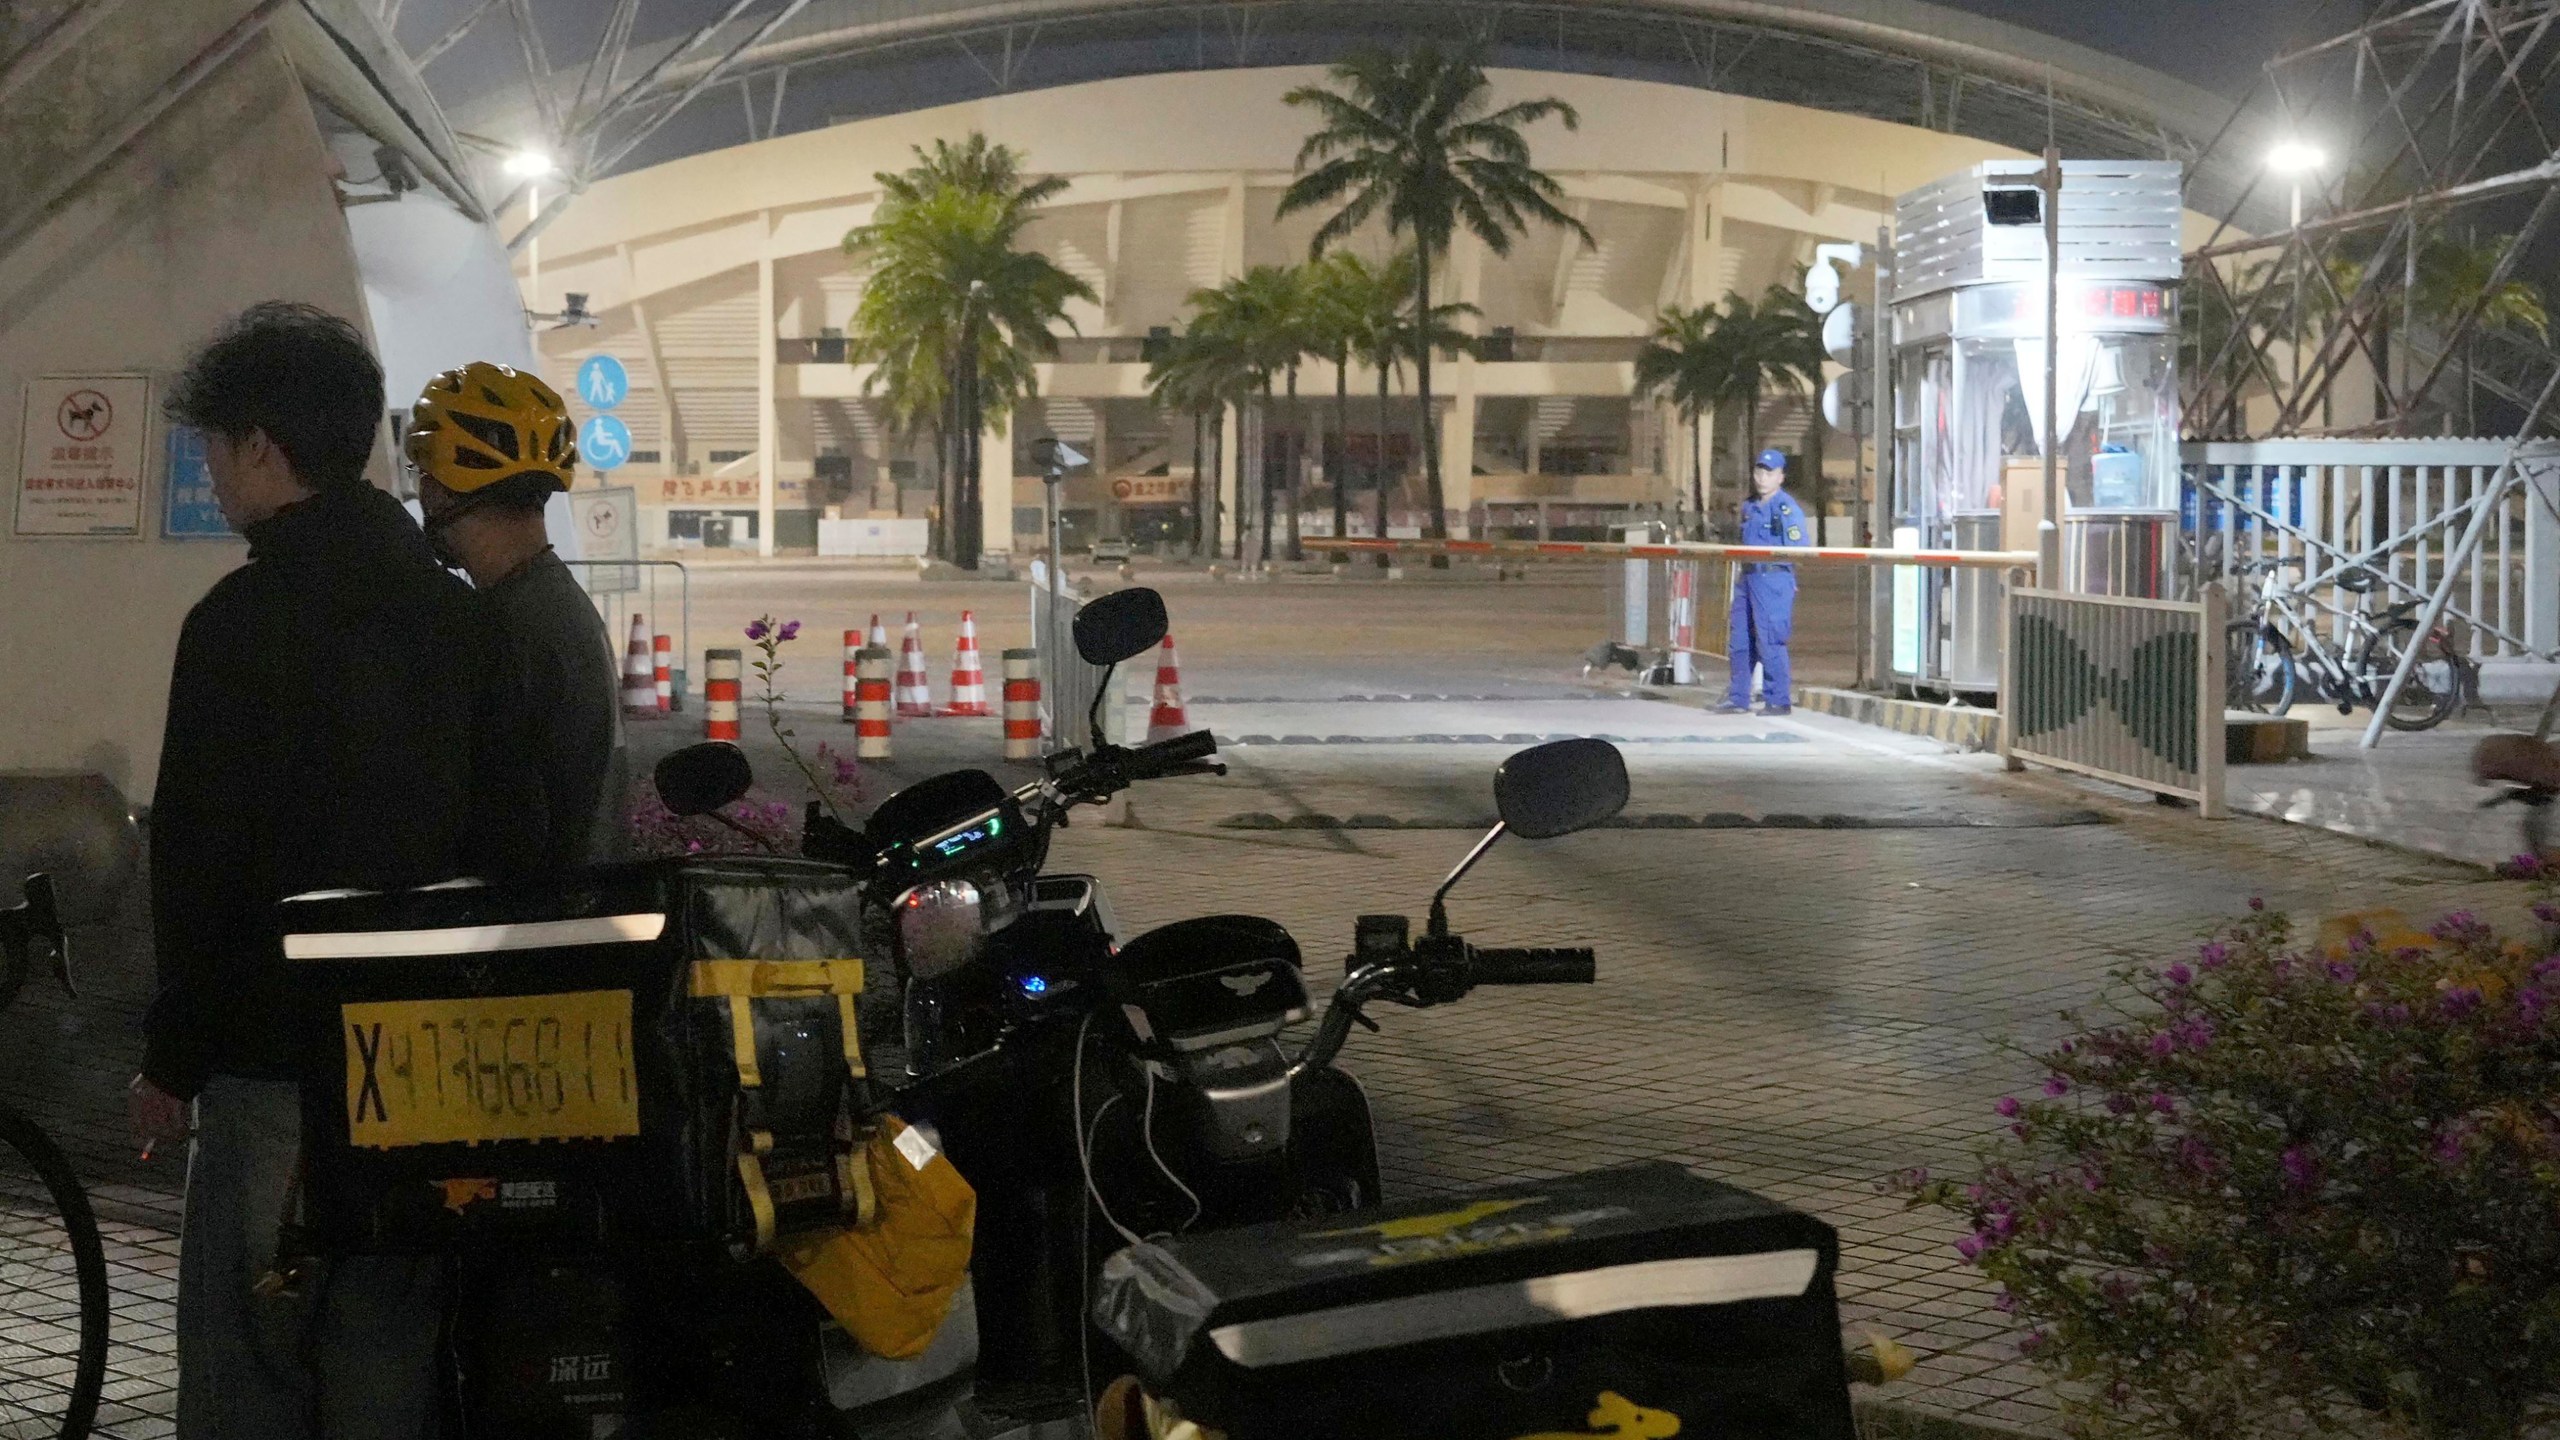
2265,666
53,1271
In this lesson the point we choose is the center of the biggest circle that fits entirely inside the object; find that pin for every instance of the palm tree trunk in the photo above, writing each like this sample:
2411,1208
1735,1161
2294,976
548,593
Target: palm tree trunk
1199,508
1436,523
1263,441
1378,458
1297,452
1337,460
1698,472
1813,466
964,547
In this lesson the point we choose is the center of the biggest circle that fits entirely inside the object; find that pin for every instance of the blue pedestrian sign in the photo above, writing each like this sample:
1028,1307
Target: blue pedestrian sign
603,383
192,513
604,442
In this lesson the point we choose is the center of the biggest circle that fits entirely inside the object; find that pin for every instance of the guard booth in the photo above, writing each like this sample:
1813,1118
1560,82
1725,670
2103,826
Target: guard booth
1969,376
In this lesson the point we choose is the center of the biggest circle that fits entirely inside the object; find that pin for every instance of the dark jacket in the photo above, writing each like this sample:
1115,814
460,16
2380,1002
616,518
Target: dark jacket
320,736
557,722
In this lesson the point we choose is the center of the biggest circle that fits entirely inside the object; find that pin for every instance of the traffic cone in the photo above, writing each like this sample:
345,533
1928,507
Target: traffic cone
879,637
639,675
1167,719
1022,704
968,675
915,686
871,705
720,693
662,656
852,674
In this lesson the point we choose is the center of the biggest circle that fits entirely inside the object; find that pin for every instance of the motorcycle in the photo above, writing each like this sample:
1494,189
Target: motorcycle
1095,1091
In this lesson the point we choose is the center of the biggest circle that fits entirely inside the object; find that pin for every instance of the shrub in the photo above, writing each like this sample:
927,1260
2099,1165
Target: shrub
2281,1182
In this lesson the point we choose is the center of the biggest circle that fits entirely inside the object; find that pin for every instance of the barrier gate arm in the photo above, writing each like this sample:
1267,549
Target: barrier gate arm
1683,550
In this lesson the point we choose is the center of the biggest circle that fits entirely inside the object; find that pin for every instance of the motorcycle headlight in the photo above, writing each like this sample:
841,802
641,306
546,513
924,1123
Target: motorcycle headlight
941,927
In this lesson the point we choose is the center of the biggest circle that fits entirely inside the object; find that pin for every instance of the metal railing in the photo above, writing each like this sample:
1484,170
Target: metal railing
2123,690
2392,509
617,602
1067,683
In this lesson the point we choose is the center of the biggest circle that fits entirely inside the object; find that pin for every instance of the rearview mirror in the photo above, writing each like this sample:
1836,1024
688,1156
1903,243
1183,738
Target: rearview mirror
701,779
1121,626
1560,787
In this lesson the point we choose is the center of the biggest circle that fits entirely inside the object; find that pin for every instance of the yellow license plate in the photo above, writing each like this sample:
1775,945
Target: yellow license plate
509,1067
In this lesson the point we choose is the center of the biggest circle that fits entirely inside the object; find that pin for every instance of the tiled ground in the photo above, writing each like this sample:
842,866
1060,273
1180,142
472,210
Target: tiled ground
1797,1010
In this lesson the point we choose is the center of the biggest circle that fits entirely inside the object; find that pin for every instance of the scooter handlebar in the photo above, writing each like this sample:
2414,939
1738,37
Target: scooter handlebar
1536,967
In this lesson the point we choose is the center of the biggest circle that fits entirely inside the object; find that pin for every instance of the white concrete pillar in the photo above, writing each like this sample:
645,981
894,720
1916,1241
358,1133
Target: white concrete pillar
768,423
2542,558
1230,463
995,486
1458,420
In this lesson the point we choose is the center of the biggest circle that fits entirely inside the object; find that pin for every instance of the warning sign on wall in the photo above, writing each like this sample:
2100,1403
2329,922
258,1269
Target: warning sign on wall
1151,490
81,455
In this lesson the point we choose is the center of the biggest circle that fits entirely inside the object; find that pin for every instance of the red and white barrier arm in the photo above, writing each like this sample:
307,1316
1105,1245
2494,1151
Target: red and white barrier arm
1682,550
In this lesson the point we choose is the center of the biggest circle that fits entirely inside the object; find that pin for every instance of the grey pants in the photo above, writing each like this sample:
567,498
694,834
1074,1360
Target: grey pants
351,1358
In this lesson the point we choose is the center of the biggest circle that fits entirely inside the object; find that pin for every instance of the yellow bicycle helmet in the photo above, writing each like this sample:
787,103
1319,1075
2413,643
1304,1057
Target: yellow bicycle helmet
484,423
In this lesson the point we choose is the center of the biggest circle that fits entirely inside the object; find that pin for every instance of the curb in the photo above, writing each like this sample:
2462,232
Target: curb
1887,1420
1960,726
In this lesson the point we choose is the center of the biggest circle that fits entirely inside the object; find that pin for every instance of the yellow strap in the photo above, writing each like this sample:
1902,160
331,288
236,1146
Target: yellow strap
776,977
852,1037
742,1040
853,1170
759,1200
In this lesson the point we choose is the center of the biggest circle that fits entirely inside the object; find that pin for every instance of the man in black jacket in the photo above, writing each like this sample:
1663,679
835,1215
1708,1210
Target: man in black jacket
319,736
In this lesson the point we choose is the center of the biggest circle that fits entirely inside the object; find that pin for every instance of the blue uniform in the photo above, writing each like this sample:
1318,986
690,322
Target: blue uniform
1764,602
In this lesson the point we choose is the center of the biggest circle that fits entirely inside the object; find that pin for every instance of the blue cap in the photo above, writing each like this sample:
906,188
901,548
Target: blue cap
1770,460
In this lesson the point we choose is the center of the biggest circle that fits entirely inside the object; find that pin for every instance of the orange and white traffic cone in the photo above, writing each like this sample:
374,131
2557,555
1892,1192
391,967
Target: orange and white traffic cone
968,672
662,675
1167,719
915,685
878,639
852,677
721,672
871,704
1022,704
639,675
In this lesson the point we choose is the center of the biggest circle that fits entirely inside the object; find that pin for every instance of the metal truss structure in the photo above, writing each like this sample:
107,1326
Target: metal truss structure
2440,123
2426,139
799,63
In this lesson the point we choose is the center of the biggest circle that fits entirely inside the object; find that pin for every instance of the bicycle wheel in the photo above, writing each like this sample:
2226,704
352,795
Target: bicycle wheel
2435,684
2257,669
53,1291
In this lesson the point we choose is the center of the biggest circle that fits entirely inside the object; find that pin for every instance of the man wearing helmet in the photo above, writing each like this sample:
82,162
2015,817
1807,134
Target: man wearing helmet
492,445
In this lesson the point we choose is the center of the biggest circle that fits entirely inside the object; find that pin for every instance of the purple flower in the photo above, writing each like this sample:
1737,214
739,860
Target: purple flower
2450,1142
2456,925
2546,912
2529,1006
758,629
2196,1033
2197,1156
2459,1001
2162,1103
2164,1045
2179,975
2056,1087
847,771
790,630
2004,1302
2033,1342
2342,971
2525,866
2214,956
1970,1247
2301,1171
2119,1104
2257,902
2093,1182
2007,1107
2546,969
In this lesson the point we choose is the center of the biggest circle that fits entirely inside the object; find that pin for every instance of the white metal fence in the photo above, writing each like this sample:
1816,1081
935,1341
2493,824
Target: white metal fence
2394,509
1067,683
2124,690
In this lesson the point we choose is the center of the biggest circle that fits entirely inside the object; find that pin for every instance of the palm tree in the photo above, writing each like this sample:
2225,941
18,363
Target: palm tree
1415,140
1685,363
955,315
2453,279
1773,345
1201,374
1259,318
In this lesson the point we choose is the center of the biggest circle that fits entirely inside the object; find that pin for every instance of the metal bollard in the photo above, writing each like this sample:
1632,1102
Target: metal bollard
1022,705
721,670
871,703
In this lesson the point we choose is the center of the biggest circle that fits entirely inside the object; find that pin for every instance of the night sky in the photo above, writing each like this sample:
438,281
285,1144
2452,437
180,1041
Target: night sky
2220,44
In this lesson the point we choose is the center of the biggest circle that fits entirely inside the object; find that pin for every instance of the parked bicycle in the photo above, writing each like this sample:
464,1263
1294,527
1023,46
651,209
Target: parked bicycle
53,1273
2278,650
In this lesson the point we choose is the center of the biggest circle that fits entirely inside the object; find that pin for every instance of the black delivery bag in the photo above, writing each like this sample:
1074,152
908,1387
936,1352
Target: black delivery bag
1639,1301
664,1052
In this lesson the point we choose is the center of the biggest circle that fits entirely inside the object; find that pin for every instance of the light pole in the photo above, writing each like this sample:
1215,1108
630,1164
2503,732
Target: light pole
2295,159
531,164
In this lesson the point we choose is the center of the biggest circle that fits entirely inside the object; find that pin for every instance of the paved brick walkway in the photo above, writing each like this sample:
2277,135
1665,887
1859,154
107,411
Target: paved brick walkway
1796,1010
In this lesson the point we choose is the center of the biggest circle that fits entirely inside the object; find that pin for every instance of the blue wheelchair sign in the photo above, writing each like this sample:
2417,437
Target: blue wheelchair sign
604,442
602,382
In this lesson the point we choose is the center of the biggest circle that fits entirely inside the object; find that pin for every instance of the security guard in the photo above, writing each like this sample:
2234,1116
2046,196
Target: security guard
1764,594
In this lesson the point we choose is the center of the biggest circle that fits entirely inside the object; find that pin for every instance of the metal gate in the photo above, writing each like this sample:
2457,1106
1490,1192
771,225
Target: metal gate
2123,690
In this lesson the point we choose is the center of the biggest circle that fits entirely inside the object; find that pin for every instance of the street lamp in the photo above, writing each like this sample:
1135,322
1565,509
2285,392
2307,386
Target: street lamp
2295,159
530,165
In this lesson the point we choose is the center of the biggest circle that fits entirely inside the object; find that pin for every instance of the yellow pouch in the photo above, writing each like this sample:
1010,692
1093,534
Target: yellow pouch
889,1281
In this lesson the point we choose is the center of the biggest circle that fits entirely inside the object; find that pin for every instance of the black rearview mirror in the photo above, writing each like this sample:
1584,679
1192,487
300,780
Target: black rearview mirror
1121,626
701,779
1560,787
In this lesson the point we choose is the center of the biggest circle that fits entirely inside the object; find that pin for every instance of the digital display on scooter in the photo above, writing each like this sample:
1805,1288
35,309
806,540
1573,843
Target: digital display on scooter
961,839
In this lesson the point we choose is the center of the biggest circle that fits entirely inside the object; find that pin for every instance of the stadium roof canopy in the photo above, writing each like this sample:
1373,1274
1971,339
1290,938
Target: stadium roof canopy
613,85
